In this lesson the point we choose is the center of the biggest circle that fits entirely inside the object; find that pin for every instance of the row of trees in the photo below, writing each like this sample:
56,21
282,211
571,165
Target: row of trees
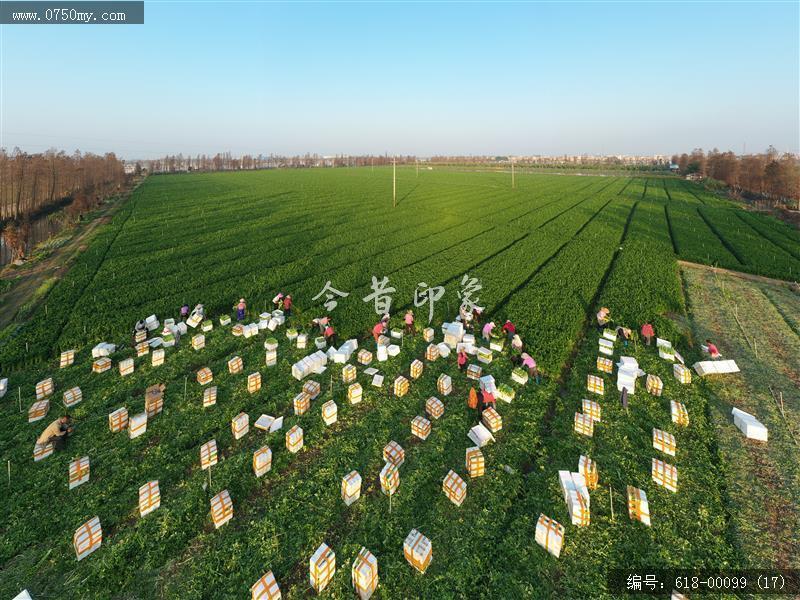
32,183
224,161
768,175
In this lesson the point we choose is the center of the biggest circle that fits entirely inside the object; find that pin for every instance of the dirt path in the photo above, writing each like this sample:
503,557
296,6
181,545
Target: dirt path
739,274
28,278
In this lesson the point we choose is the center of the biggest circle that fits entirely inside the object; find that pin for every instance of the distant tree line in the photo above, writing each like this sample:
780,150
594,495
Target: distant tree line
769,175
34,184
224,161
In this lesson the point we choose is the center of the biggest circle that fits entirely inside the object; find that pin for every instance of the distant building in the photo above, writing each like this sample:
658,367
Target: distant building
673,167
130,168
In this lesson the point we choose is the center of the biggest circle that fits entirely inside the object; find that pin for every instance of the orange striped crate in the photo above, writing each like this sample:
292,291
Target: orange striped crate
72,396
38,411
266,588
157,357
198,341
240,425
271,358
149,498
549,535
321,567
294,439
432,352
235,365
416,369
665,475
66,359
349,373
400,386
420,427
454,488
492,419
139,336
434,407
418,550
584,424
444,384
354,393
428,334
101,365
365,574
262,461
390,479
588,468
578,508
137,425
351,487
394,453
205,376
302,402
592,409
125,367
595,384
209,396
638,507
154,400
208,454
605,365
221,509
680,416
475,462
44,388
330,412
78,472
42,451
682,373
87,538
663,441
254,382
118,420
474,372
654,385
364,356
312,388
142,348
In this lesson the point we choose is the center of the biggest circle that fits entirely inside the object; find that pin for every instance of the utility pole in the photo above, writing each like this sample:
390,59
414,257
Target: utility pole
417,161
394,183
513,183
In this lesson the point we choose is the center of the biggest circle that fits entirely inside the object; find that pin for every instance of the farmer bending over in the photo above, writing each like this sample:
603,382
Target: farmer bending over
57,432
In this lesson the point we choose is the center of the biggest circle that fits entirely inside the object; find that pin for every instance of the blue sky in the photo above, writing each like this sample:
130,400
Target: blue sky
420,78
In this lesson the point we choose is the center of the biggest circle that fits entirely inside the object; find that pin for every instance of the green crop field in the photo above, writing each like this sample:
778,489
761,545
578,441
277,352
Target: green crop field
547,255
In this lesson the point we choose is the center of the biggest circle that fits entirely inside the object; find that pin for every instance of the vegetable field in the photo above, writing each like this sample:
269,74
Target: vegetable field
547,254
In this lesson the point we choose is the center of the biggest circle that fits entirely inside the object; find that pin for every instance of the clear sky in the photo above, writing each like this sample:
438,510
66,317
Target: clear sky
418,78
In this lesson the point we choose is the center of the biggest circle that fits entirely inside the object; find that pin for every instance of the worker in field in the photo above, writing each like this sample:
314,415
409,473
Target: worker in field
379,328
472,402
409,319
624,334
487,330
477,313
184,312
488,399
462,359
321,323
277,301
241,308
711,349
510,329
287,305
56,433
603,318
516,345
465,315
330,334
530,364
648,333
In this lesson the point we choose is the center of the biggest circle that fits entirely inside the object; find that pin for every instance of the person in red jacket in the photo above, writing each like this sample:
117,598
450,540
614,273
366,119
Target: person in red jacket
648,333
510,330
462,359
330,334
378,329
287,306
488,399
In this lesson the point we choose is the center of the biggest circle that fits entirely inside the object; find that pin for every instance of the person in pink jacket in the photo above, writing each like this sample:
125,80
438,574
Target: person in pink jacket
530,364
487,330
